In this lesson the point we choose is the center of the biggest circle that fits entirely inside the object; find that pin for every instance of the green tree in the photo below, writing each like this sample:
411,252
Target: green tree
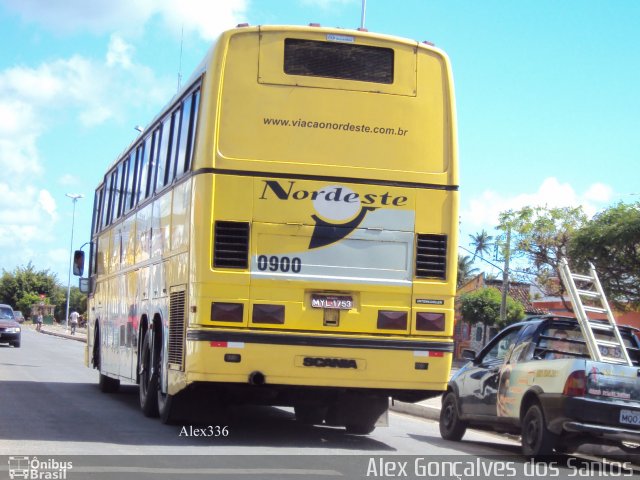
483,306
466,270
611,241
24,287
542,235
481,243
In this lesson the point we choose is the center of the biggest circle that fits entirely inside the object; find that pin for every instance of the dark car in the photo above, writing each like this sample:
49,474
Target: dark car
537,379
9,328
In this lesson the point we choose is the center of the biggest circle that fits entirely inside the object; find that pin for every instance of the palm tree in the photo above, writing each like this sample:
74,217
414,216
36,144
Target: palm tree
481,243
466,270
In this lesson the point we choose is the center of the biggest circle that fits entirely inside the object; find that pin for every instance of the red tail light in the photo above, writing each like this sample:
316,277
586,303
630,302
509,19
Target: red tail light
576,384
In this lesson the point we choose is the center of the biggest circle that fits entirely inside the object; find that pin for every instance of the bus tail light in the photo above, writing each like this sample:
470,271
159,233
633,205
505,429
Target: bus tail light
388,320
231,245
576,384
430,322
226,312
268,314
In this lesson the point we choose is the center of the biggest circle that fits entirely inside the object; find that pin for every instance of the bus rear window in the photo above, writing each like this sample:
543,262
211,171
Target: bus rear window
338,60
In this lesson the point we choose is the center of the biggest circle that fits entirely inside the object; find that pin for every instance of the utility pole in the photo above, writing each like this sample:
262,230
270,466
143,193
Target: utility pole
363,15
505,278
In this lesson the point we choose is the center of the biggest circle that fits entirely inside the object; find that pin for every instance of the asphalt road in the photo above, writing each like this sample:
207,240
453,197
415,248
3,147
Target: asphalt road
51,407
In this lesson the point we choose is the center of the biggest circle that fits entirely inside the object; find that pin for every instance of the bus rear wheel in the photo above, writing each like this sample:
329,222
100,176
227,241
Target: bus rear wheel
168,407
360,428
148,378
310,414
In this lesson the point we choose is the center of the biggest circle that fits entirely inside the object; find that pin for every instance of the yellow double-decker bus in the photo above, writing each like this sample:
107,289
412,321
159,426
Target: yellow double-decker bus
284,231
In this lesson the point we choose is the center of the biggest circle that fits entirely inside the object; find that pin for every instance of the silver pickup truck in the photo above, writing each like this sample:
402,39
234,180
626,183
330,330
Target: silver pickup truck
537,379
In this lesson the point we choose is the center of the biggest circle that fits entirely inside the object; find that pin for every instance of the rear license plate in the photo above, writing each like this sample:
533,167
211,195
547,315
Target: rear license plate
339,302
629,417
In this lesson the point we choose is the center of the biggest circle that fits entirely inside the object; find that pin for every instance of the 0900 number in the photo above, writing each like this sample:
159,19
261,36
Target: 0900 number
279,264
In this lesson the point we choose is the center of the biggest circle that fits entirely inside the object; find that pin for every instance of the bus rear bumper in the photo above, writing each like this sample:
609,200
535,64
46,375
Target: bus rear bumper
413,368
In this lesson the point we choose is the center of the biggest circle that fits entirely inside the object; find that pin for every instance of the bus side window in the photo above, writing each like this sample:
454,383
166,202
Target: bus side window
161,157
192,129
113,196
98,209
106,204
183,145
158,162
124,167
143,174
131,181
173,148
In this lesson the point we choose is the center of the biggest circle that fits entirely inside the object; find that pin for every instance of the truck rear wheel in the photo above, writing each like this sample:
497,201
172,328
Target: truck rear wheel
537,439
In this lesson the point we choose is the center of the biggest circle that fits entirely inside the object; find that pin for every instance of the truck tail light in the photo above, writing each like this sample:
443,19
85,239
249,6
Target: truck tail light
576,384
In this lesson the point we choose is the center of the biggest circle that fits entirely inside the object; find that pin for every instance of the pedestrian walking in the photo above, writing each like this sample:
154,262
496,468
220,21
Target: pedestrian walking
39,322
73,321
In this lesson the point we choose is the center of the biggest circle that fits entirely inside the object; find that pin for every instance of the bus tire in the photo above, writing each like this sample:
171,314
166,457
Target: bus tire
148,379
108,384
360,428
310,414
167,407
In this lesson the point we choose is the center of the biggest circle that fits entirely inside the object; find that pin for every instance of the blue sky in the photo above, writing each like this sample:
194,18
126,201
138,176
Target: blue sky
548,98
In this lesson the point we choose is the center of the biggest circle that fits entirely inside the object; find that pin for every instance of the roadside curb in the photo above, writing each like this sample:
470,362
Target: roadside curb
77,338
416,410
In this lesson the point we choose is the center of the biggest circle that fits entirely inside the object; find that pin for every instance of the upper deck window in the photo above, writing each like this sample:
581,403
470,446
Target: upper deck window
338,60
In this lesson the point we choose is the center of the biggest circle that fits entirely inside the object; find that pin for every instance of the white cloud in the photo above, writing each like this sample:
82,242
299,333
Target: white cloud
205,17
34,99
483,212
25,213
119,52
69,180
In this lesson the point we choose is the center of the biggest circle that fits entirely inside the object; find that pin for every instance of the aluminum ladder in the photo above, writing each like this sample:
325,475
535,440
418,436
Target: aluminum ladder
591,289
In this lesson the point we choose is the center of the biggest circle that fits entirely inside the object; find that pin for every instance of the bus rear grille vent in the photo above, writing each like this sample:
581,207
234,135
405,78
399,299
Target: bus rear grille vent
231,245
176,328
431,256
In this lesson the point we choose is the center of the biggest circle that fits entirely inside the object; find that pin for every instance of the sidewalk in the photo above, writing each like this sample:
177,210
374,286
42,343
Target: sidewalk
58,330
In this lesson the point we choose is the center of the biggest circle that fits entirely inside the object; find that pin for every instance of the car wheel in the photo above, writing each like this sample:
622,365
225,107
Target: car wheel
16,344
537,439
633,448
451,427
148,379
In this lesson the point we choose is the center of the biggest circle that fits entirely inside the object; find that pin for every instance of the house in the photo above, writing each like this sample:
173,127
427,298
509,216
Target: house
555,306
470,336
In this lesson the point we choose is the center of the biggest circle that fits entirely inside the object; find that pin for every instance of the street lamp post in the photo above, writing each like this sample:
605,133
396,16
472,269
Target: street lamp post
74,197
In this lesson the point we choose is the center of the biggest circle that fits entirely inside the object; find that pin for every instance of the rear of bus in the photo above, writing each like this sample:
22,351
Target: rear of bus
325,222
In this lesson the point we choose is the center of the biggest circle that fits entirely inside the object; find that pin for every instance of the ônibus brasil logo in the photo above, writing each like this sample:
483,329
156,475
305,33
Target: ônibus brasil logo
339,209
34,468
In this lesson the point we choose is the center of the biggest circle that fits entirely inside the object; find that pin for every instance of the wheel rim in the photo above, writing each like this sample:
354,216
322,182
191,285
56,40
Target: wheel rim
532,432
448,415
